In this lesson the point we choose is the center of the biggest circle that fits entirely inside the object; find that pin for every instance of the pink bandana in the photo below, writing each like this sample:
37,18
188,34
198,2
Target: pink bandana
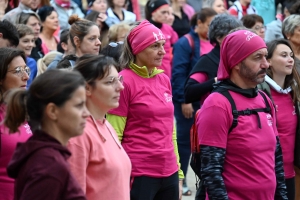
143,36
235,48
63,4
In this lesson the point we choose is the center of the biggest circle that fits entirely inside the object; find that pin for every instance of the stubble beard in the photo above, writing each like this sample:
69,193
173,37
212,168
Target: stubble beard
250,75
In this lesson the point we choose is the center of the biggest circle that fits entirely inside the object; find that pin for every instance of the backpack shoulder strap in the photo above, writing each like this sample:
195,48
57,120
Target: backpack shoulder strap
235,113
264,86
190,39
191,42
268,108
239,9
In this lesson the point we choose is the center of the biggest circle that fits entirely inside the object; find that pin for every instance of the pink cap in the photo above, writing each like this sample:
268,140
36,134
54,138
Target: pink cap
143,36
236,47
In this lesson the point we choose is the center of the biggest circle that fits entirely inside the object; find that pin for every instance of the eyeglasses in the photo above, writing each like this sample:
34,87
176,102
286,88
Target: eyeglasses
19,71
115,44
114,80
259,28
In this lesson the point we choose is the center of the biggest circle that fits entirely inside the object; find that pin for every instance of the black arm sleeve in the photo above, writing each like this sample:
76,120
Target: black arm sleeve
212,160
194,90
281,192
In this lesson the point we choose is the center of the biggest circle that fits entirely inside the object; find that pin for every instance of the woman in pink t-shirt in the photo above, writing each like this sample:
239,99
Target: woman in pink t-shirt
98,160
144,119
157,13
55,109
281,84
14,74
49,19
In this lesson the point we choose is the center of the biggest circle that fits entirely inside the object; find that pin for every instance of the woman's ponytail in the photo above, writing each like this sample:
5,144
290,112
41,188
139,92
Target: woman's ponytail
16,112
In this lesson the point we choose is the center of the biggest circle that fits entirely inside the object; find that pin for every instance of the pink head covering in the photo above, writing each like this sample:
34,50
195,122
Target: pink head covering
236,47
143,36
63,4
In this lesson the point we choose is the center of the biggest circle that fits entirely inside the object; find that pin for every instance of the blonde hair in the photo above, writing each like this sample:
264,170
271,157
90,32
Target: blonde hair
115,29
43,63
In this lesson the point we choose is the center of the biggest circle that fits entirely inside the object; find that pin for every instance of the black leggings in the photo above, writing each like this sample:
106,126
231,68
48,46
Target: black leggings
147,188
290,187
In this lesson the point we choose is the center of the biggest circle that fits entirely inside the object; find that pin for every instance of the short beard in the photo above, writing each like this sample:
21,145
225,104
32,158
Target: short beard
250,75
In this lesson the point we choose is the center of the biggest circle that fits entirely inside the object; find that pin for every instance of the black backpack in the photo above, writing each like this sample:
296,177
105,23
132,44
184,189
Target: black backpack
195,147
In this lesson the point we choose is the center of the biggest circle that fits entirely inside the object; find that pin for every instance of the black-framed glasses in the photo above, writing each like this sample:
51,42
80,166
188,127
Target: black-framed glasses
115,44
19,71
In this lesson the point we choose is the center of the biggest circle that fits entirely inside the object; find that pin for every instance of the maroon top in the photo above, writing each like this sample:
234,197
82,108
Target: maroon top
42,172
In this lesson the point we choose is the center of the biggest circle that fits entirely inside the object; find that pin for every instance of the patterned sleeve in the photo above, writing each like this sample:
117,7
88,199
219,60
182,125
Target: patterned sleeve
280,193
212,160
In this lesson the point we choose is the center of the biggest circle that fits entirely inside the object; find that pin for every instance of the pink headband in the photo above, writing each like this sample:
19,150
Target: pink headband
235,48
143,36
160,7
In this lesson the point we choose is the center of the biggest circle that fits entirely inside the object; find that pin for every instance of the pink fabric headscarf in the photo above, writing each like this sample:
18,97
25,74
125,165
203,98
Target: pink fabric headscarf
143,36
63,4
236,47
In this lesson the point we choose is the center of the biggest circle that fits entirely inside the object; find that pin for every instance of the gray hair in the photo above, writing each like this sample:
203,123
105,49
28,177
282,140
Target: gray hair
220,26
208,3
290,24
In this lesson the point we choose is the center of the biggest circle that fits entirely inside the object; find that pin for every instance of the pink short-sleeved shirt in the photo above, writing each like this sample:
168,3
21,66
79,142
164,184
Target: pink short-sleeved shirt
205,47
249,167
44,47
147,137
171,37
99,163
8,146
286,125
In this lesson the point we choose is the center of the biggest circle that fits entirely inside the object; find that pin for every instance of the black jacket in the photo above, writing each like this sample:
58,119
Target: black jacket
37,52
67,62
207,64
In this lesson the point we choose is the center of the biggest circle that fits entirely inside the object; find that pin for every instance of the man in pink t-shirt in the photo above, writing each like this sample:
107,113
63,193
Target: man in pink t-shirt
241,162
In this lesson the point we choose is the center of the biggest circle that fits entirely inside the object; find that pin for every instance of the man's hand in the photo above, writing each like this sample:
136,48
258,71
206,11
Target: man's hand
187,110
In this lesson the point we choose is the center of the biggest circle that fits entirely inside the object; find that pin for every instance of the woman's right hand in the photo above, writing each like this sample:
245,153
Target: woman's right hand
187,110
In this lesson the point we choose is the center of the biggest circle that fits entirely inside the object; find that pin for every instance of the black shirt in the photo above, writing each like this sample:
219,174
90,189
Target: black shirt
181,26
208,64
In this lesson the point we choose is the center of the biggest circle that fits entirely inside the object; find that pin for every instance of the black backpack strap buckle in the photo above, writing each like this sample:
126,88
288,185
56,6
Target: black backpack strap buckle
246,112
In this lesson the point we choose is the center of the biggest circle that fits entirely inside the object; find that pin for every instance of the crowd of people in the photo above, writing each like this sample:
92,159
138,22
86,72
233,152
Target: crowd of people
98,97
